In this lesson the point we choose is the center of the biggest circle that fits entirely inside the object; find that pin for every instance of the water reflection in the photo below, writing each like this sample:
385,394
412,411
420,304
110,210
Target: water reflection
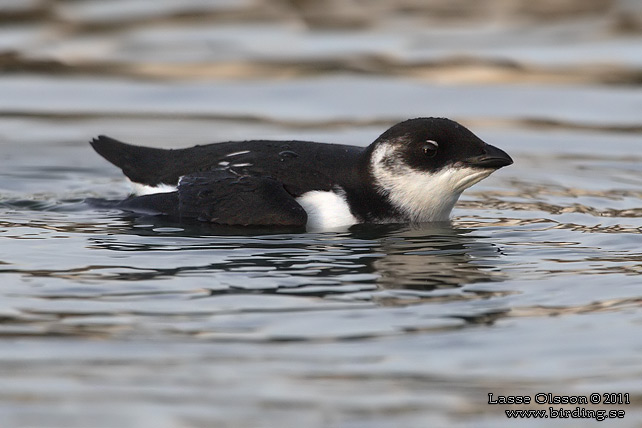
431,256
421,257
366,257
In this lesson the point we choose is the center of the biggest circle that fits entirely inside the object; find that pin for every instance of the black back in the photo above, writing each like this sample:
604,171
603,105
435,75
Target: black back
300,165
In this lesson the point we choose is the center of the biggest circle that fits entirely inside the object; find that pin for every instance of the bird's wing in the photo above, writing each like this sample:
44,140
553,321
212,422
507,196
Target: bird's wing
223,197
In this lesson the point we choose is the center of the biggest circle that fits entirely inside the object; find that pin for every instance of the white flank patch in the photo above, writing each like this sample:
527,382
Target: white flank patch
421,195
326,210
143,189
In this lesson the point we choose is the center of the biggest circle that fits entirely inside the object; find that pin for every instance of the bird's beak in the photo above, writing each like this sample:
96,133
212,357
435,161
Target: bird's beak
491,158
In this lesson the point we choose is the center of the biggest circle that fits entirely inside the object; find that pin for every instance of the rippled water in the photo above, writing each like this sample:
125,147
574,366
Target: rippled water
112,320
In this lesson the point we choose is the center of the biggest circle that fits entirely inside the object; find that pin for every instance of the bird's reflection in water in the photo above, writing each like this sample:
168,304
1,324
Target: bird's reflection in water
414,257
429,256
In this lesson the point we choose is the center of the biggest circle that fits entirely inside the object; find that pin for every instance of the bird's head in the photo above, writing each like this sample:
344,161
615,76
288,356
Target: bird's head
423,165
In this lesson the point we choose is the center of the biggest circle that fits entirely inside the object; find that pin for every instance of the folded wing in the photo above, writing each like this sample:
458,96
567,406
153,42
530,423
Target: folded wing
223,197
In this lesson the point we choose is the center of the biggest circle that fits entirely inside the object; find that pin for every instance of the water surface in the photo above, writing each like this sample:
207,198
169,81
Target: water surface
114,320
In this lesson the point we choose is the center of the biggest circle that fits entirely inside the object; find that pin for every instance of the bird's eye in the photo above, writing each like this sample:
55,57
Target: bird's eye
430,148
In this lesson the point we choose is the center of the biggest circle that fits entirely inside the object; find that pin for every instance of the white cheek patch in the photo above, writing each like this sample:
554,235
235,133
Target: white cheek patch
421,195
326,210
139,189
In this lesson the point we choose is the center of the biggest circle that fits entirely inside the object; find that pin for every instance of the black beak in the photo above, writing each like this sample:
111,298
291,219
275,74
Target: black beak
491,158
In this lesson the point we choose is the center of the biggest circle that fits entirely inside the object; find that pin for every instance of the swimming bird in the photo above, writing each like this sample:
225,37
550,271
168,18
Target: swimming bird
413,172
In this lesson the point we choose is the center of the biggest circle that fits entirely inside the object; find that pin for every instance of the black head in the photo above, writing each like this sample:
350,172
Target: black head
431,144
422,165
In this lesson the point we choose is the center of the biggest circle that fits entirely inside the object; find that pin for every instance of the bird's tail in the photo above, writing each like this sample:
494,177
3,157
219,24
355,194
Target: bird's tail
145,165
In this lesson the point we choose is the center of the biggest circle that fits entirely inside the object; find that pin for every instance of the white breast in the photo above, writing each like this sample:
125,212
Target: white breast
326,210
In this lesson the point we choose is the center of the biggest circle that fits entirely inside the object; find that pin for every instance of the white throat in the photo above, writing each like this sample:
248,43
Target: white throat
421,196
